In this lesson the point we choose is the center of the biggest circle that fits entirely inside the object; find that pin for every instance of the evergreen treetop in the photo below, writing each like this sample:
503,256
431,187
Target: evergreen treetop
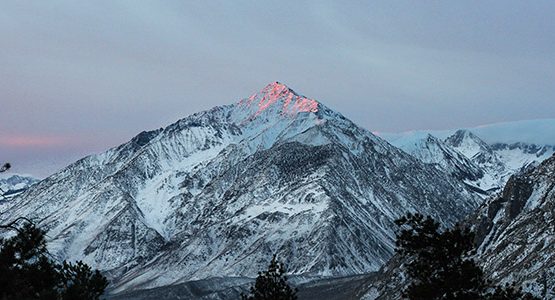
33,275
271,284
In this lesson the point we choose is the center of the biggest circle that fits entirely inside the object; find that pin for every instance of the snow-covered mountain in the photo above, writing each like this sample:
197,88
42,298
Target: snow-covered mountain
13,185
466,156
218,192
432,150
498,160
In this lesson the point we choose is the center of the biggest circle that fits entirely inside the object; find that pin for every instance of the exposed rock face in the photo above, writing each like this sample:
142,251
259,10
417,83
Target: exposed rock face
216,193
517,231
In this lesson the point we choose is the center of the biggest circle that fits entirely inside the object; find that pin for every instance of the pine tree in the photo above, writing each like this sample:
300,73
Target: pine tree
33,275
271,284
5,167
440,264
80,282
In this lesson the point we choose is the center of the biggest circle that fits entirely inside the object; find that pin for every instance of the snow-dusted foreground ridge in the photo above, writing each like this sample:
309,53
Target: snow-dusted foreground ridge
216,193
516,231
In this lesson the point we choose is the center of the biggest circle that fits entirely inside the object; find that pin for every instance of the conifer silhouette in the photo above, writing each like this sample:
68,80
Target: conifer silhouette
440,264
271,284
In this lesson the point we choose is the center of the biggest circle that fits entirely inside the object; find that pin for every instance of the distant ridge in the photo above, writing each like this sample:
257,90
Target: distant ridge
539,131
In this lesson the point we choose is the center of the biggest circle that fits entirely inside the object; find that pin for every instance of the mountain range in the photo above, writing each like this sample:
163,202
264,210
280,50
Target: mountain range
466,156
217,193
14,184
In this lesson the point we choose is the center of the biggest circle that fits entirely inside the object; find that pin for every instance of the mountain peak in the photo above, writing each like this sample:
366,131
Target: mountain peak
278,88
280,98
464,133
465,136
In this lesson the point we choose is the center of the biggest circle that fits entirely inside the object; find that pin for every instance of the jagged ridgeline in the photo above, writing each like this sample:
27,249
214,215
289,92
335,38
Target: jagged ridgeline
217,193
484,167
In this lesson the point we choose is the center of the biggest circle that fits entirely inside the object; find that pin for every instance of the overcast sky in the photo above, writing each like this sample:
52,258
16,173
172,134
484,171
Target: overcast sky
77,77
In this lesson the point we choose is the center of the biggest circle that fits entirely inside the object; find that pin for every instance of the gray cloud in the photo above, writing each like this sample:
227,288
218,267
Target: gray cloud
94,73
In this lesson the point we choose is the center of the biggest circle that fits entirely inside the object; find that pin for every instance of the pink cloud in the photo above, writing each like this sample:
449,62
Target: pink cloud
33,141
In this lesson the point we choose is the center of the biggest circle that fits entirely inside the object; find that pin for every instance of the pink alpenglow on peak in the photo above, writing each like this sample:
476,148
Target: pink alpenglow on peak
278,94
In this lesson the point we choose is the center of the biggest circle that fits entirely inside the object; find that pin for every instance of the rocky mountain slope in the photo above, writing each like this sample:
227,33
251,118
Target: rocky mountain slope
216,193
516,231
